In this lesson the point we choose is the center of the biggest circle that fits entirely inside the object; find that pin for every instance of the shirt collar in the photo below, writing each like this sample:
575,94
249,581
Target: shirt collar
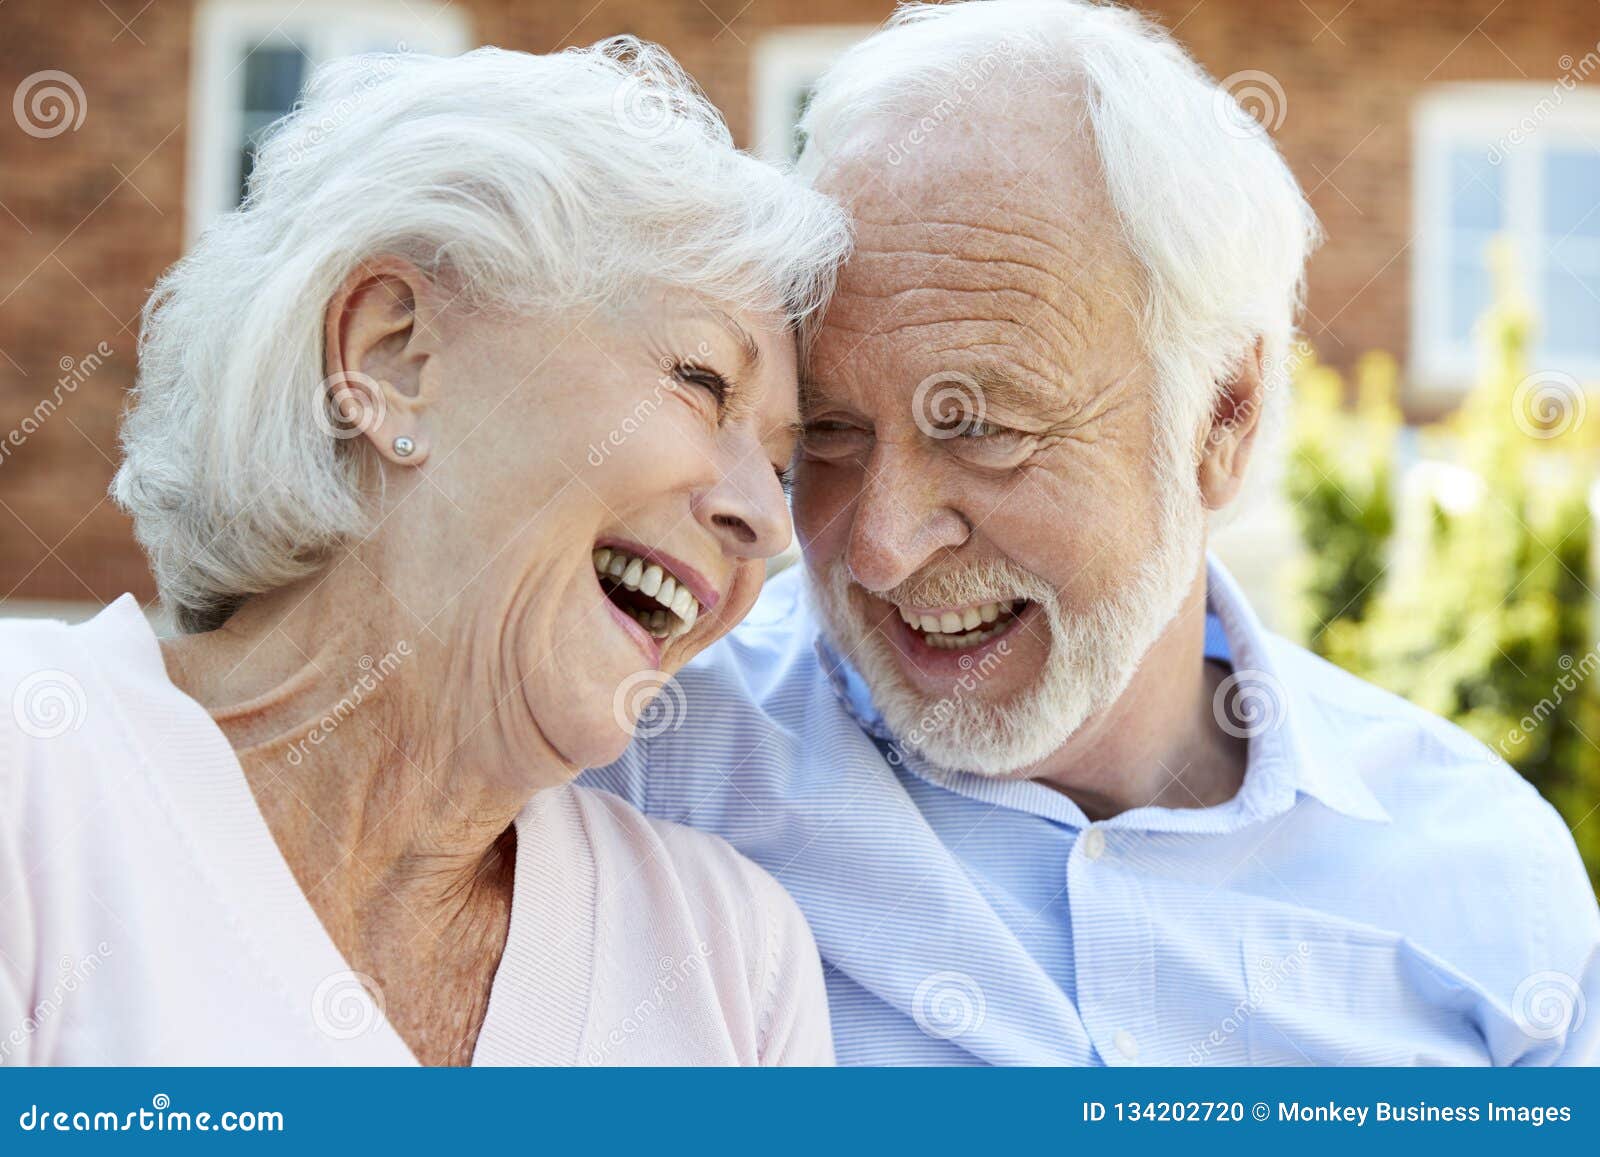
1284,726
1292,744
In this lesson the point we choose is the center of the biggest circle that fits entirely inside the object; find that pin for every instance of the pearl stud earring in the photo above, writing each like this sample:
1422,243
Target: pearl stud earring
404,447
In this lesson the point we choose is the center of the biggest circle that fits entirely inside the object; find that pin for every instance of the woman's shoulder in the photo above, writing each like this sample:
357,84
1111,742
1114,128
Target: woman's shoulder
62,692
694,861
744,922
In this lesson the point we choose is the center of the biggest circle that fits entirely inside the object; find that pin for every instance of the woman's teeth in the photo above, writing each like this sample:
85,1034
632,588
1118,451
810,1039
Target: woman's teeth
666,610
955,630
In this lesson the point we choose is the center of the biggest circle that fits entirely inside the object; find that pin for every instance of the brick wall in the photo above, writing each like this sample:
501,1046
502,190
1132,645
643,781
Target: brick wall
89,218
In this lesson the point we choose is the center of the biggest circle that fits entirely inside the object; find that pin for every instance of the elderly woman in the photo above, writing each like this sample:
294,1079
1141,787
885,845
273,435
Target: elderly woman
465,432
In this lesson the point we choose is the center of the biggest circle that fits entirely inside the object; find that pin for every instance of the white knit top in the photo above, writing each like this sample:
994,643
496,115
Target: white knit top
147,915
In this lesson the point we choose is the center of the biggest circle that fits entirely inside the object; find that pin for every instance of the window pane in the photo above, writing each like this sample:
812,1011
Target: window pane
1477,192
1470,296
272,77
1571,321
1572,193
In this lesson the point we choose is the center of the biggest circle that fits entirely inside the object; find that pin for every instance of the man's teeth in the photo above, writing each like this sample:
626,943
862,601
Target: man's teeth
954,630
678,608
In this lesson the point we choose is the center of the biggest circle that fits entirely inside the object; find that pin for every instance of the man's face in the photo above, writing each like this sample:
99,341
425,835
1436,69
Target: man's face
995,523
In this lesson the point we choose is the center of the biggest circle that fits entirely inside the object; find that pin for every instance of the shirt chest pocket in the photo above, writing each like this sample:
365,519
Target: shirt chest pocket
1327,993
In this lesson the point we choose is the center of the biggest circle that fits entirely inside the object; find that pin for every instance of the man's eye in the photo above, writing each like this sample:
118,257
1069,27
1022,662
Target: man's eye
988,431
833,438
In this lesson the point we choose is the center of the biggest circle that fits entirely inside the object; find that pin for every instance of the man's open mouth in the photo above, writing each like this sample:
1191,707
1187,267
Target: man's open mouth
956,630
647,592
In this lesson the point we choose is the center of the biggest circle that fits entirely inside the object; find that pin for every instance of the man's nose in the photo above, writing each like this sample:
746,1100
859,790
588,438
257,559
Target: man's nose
901,519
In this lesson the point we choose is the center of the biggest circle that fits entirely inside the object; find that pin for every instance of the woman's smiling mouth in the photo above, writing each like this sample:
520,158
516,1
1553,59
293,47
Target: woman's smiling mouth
647,591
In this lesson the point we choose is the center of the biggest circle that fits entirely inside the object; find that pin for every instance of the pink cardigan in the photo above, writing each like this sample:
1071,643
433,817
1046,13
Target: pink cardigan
148,917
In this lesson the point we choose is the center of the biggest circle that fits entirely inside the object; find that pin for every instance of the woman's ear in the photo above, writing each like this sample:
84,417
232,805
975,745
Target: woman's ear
1235,420
378,342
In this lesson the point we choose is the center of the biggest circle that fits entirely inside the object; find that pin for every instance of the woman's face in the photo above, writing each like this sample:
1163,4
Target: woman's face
607,490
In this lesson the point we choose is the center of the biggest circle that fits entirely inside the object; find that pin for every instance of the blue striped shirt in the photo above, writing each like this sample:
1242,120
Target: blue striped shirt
1381,890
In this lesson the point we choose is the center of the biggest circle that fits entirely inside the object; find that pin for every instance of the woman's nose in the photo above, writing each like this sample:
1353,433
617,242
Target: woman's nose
745,508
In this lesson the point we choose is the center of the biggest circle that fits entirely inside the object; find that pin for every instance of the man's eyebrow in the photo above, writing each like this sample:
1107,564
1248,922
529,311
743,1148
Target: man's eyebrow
1008,392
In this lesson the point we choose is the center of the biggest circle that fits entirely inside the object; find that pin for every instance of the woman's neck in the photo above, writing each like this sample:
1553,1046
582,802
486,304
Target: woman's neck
386,796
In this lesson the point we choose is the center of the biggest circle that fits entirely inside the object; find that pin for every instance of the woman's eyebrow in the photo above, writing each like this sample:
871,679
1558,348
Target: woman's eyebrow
749,348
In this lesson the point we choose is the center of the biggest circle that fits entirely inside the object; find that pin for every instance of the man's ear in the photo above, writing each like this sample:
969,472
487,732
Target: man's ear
378,340
1235,420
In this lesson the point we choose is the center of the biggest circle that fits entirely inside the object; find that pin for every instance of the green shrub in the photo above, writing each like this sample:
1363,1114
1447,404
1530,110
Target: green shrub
1481,609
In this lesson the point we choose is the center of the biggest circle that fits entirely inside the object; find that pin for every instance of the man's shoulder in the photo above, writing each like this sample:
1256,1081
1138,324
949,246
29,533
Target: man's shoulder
1455,804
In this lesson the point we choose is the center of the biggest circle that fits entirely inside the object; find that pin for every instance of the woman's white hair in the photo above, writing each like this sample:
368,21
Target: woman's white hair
524,182
1206,204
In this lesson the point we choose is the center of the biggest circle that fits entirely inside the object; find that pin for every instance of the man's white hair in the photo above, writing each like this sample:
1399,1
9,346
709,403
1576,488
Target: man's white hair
532,183
1206,204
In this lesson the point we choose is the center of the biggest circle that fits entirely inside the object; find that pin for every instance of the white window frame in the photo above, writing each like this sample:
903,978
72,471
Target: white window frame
783,63
225,30
1514,124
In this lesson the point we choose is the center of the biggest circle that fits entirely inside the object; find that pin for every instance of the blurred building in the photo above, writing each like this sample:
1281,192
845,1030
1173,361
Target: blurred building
1419,130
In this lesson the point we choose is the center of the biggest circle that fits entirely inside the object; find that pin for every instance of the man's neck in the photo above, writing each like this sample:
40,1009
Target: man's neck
1159,744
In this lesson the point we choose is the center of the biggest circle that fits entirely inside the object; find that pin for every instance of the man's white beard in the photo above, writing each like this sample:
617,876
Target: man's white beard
1092,658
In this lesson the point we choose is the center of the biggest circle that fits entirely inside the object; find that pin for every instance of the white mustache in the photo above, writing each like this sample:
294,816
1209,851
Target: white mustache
998,581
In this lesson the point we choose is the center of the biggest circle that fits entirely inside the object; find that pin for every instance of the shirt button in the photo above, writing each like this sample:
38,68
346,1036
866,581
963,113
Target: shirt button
1094,843
1126,1045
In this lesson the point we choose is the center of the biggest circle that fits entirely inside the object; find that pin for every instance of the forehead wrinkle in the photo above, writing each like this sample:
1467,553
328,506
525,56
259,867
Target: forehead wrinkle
1062,285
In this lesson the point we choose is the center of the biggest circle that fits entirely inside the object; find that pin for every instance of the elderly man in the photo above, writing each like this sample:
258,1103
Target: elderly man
1044,786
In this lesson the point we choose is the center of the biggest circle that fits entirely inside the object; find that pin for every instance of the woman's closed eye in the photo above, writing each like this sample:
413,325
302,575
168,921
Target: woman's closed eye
709,380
